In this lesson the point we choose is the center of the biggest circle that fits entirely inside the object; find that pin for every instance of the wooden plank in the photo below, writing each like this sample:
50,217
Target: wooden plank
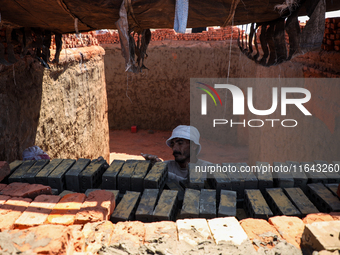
208,203
72,175
91,176
126,208
301,201
280,204
124,177
157,176
255,205
322,198
137,178
227,205
29,176
167,206
56,179
281,175
17,175
147,205
190,208
109,178
42,176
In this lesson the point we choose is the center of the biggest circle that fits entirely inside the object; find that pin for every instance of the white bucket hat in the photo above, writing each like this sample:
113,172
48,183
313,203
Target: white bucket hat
187,132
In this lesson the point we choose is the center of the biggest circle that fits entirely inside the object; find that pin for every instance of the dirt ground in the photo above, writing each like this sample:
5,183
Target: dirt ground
126,145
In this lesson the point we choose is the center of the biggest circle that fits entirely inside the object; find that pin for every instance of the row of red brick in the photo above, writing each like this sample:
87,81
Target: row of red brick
331,40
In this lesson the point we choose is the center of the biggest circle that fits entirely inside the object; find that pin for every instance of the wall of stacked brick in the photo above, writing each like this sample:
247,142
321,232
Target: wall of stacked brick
331,40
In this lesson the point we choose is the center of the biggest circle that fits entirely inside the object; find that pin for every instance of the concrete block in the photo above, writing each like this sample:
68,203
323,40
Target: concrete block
322,198
191,204
14,165
157,176
312,174
208,203
97,234
98,206
236,179
227,206
72,175
17,175
65,192
194,231
4,170
147,205
137,179
126,208
37,212
301,201
124,177
255,204
280,204
56,179
333,187
166,208
264,176
281,176
64,212
42,176
300,178
11,210
30,174
322,236
109,178
250,180
329,172
291,228
173,185
196,178
91,176
227,229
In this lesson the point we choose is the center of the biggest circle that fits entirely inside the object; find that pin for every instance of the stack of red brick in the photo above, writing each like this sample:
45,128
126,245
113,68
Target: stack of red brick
76,41
331,40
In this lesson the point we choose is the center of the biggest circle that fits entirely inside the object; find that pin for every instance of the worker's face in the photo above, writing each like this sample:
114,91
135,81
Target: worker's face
181,149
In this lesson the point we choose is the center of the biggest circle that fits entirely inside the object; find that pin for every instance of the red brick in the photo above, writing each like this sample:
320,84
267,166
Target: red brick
37,212
18,189
97,234
163,229
11,210
4,170
337,42
255,228
2,186
98,206
78,238
291,228
317,217
44,239
65,211
128,232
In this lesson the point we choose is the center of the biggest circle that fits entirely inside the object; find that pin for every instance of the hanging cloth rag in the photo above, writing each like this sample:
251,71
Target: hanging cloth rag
181,16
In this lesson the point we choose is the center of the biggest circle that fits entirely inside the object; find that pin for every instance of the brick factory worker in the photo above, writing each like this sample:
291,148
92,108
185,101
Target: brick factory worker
185,146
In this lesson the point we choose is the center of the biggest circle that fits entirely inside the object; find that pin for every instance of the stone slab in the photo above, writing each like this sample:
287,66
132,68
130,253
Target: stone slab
227,206
227,229
72,175
190,208
109,178
301,201
194,231
280,204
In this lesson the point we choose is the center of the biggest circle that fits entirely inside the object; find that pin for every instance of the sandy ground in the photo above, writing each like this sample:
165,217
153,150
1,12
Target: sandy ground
126,145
